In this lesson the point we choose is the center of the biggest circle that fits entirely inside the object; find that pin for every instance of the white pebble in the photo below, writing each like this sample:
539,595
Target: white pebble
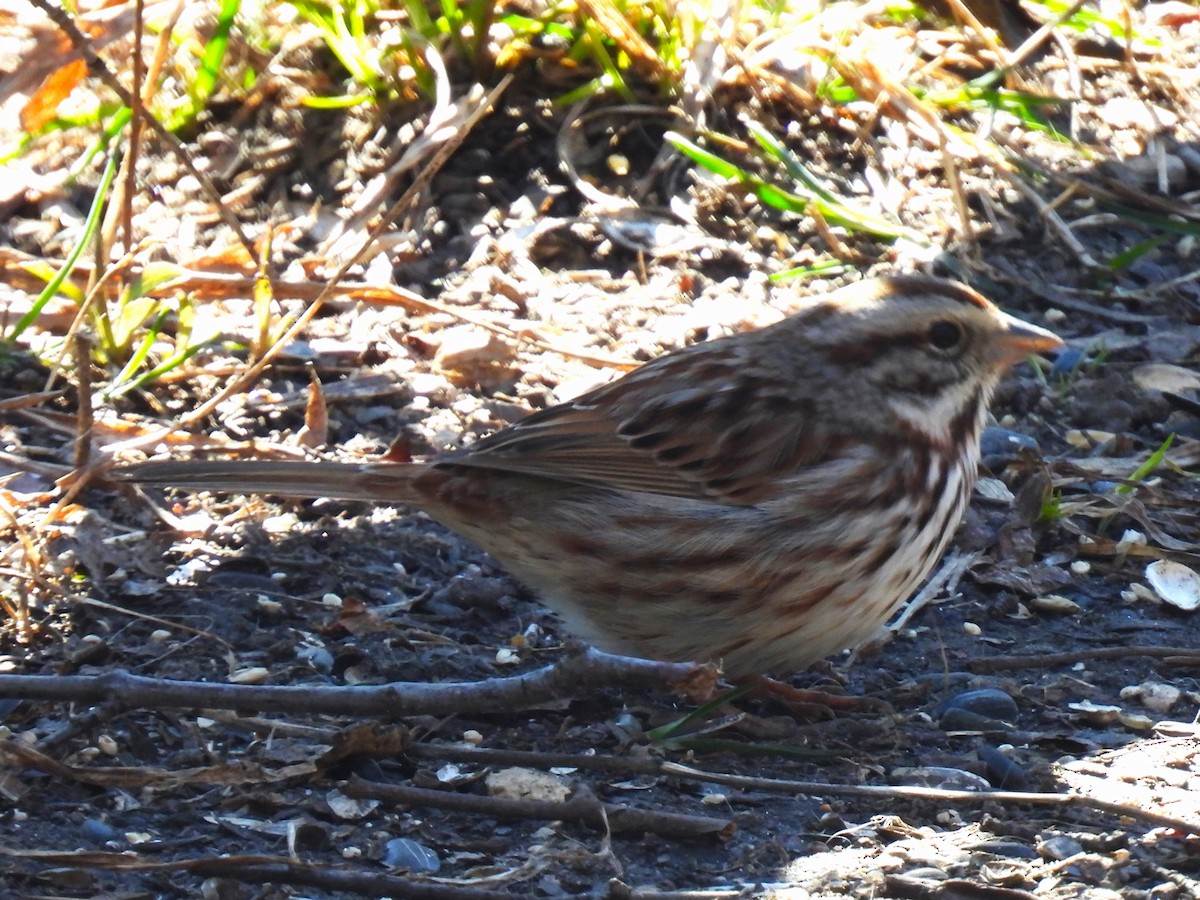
266,605
1154,695
972,629
249,675
1055,603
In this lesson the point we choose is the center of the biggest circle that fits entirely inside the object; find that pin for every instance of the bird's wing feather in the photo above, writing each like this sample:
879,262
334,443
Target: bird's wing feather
726,432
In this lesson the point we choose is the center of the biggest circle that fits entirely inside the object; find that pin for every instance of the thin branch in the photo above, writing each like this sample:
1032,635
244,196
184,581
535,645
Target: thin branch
892,792
263,870
576,672
1049,660
584,807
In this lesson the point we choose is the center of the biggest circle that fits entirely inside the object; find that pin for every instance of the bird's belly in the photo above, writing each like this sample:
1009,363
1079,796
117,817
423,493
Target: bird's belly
739,586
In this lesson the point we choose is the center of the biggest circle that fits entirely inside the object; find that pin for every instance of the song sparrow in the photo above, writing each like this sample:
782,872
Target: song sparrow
760,500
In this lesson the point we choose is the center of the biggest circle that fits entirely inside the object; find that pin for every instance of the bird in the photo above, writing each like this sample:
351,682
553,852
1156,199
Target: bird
760,500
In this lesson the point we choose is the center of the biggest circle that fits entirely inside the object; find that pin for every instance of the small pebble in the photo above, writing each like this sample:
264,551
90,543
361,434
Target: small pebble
250,675
1067,362
99,832
1095,713
965,720
1081,567
972,629
1011,849
989,704
1059,847
1136,721
927,873
1130,538
319,658
1153,695
405,853
944,777
1055,604
1000,446
1001,771
1143,593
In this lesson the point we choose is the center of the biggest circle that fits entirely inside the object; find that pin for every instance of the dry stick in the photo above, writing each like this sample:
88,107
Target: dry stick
947,577
138,111
27,400
96,65
81,349
651,766
587,809
892,792
964,15
266,870
344,701
1039,37
1051,217
579,671
1046,660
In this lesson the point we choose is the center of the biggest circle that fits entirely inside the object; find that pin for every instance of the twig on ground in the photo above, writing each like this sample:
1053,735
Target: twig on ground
263,870
1048,660
892,792
584,807
653,766
575,673
1030,45
947,577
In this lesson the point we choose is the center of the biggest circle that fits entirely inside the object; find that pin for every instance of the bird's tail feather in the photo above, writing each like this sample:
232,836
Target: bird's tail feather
381,482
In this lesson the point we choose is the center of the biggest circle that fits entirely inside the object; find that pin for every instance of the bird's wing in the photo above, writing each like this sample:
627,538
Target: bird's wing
696,425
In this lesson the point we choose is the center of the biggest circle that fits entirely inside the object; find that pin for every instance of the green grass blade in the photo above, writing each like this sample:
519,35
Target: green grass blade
790,162
167,365
85,239
138,356
1148,466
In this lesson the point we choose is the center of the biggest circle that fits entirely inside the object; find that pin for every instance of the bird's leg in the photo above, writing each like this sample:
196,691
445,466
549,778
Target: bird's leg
811,704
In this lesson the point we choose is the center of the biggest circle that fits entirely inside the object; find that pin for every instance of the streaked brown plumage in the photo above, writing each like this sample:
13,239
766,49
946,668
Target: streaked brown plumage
760,500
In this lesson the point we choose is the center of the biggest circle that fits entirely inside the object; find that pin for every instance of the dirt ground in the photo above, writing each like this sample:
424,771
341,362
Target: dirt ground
1043,661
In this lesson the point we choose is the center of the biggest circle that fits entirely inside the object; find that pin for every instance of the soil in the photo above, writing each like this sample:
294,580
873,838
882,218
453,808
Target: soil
1046,662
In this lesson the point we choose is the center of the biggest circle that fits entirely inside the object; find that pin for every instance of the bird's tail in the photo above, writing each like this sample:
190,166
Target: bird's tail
380,482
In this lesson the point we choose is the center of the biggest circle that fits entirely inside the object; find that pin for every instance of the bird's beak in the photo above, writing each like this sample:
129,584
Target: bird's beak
1018,340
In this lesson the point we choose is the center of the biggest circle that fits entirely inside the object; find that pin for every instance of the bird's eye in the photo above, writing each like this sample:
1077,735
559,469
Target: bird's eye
945,335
